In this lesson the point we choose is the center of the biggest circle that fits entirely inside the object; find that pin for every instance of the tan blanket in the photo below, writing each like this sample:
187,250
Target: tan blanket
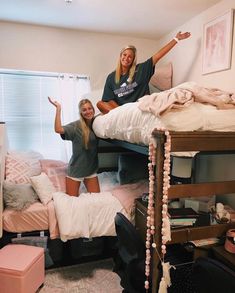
184,95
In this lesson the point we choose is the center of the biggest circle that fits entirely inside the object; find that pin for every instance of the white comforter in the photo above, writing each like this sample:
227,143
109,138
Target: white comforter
130,124
89,215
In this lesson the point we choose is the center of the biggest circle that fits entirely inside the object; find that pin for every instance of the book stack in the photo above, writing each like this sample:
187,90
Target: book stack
182,217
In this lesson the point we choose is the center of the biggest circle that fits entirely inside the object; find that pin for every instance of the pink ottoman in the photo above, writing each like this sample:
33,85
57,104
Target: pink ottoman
21,268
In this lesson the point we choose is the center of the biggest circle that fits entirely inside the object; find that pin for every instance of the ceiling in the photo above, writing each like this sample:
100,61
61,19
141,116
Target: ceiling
137,18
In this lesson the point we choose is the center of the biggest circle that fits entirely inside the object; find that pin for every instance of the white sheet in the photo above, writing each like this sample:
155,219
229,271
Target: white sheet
89,215
130,124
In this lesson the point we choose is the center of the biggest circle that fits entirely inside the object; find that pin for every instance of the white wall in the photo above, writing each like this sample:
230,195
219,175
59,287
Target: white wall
187,57
39,48
31,47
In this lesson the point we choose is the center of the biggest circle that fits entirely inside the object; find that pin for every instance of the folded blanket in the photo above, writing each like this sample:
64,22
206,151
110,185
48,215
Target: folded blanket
184,95
89,215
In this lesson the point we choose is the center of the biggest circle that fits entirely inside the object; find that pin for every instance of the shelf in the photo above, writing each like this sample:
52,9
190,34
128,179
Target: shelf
201,189
196,233
181,235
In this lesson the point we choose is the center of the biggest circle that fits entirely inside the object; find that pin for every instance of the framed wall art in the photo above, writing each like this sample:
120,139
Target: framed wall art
217,43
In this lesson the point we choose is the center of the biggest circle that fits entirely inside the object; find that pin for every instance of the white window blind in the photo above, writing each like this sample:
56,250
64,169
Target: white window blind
30,117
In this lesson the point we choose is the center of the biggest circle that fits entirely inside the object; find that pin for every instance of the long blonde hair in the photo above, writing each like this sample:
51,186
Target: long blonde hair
118,71
84,125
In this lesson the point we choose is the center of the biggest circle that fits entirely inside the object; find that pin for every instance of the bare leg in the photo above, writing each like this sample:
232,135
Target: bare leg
92,184
72,187
105,107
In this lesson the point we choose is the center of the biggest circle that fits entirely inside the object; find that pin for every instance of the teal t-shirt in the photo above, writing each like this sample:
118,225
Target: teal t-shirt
126,92
84,162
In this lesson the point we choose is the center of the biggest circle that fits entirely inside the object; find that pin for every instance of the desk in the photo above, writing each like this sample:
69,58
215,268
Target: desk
183,235
140,224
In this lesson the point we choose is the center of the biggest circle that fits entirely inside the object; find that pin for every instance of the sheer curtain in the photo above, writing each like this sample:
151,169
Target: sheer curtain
30,117
71,89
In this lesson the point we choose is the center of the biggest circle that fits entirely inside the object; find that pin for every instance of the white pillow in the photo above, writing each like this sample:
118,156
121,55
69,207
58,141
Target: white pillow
43,187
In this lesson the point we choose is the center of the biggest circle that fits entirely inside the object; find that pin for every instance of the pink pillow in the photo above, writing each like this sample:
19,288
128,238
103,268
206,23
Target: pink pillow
162,77
56,171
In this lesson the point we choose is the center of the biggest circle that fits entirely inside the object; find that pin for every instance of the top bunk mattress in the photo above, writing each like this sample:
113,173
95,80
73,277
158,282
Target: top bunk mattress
129,123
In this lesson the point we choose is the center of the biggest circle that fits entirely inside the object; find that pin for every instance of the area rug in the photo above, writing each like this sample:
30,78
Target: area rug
91,277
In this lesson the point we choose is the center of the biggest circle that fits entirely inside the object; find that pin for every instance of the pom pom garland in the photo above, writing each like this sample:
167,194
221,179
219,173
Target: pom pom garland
165,230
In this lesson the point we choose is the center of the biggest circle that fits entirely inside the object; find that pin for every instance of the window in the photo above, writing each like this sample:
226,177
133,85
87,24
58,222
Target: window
30,117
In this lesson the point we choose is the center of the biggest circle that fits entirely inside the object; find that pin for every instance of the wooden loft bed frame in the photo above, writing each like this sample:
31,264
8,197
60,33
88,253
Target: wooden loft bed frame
121,145
114,146
199,141
202,141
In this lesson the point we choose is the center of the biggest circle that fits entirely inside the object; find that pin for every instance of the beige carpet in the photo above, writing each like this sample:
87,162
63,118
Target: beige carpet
91,277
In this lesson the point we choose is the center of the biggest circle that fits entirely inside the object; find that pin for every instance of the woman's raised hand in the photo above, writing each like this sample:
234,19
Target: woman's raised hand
182,36
54,102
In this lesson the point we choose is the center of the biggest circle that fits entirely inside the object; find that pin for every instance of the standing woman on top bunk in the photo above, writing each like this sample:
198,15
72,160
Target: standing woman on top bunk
129,81
83,164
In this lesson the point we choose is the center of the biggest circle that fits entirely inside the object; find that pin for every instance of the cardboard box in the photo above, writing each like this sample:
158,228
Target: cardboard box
200,204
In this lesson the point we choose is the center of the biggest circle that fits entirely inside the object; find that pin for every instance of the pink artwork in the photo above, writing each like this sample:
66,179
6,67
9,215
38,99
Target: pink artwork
217,43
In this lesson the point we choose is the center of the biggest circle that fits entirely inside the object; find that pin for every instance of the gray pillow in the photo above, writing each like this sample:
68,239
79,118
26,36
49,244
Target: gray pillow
132,168
18,196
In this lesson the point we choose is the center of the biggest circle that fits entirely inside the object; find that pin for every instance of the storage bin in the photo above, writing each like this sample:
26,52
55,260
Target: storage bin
86,247
21,268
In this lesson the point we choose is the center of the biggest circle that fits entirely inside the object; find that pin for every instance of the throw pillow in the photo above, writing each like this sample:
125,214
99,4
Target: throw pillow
162,77
43,187
20,166
18,196
56,171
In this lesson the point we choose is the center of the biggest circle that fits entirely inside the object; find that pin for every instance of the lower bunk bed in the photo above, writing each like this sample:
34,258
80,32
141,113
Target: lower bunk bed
69,228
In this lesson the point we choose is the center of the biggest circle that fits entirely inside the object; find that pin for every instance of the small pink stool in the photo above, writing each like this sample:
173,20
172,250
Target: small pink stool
22,268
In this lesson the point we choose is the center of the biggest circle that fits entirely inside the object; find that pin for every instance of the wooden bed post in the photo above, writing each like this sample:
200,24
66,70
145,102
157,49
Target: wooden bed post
160,139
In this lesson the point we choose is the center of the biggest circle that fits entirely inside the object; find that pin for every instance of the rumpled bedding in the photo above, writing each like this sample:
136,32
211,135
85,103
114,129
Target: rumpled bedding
89,215
129,123
92,214
184,95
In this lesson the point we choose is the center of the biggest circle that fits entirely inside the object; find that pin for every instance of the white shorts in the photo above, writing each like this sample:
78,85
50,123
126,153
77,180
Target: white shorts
82,178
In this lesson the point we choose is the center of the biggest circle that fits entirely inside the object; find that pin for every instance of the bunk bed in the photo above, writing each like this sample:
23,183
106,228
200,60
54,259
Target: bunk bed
190,141
197,129
208,141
